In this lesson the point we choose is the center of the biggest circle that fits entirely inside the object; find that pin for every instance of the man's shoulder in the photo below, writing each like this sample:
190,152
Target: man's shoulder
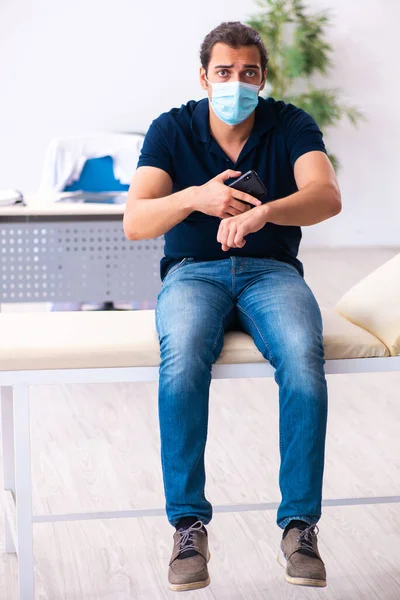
178,117
286,113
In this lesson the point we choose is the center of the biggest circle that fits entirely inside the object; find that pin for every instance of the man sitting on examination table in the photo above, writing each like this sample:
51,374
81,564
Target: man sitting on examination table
231,265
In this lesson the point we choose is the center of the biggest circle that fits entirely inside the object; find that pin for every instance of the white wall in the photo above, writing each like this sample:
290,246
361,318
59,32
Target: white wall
366,46
96,65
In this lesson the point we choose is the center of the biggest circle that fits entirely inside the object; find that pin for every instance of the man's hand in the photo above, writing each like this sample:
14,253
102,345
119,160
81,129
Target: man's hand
232,231
219,200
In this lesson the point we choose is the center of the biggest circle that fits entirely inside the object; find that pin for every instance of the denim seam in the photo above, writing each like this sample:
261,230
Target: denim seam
233,271
277,379
221,329
304,518
271,360
270,355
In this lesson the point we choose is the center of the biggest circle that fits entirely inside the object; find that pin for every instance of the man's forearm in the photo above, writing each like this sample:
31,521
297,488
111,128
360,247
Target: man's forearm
314,203
150,218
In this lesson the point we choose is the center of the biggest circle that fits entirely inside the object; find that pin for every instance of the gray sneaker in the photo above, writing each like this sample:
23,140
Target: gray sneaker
189,573
300,557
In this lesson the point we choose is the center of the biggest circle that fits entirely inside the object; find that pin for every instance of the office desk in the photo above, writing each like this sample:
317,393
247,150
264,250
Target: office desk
59,252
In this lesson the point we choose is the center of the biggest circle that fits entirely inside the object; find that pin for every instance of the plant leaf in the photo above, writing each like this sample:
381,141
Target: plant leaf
298,57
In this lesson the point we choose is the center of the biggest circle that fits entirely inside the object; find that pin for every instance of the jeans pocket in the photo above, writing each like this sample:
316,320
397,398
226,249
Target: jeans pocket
180,264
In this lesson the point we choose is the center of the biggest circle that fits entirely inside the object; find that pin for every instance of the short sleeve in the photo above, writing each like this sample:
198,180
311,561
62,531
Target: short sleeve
155,151
302,134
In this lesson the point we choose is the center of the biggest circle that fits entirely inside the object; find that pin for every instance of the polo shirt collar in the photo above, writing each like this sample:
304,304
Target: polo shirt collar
264,120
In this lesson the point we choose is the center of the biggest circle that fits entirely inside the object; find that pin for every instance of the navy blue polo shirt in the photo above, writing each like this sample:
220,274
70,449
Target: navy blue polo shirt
179,142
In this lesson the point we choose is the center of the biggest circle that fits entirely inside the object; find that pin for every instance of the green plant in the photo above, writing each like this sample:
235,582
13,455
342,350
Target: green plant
295,40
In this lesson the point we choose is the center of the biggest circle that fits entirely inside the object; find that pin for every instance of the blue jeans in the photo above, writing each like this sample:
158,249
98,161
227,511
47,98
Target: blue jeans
269,300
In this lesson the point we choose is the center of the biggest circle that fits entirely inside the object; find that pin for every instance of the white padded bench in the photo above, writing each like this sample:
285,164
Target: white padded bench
362,334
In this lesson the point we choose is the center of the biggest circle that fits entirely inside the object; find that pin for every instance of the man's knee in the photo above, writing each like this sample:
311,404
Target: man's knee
301,352
186,348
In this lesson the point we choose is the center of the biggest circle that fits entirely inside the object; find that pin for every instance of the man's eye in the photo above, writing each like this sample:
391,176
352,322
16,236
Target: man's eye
250,73
223,73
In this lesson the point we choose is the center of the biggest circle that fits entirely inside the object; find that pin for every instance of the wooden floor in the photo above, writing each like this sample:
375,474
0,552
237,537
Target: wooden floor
96,447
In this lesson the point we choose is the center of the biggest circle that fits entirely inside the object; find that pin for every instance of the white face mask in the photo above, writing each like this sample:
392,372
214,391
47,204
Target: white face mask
234,101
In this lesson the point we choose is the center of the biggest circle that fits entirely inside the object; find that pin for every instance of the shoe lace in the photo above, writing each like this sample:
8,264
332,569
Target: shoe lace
306,538
186,541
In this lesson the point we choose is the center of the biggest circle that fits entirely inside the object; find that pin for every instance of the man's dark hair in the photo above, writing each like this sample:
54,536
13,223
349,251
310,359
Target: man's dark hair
235,35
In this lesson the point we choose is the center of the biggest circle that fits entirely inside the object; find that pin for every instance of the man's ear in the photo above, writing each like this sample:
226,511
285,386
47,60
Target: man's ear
264,80
203,81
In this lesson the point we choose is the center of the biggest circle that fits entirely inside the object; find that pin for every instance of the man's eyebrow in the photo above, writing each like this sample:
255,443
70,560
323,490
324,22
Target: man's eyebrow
230,66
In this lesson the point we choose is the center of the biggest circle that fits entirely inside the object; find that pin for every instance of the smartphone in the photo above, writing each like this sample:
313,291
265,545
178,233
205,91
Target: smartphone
250,183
